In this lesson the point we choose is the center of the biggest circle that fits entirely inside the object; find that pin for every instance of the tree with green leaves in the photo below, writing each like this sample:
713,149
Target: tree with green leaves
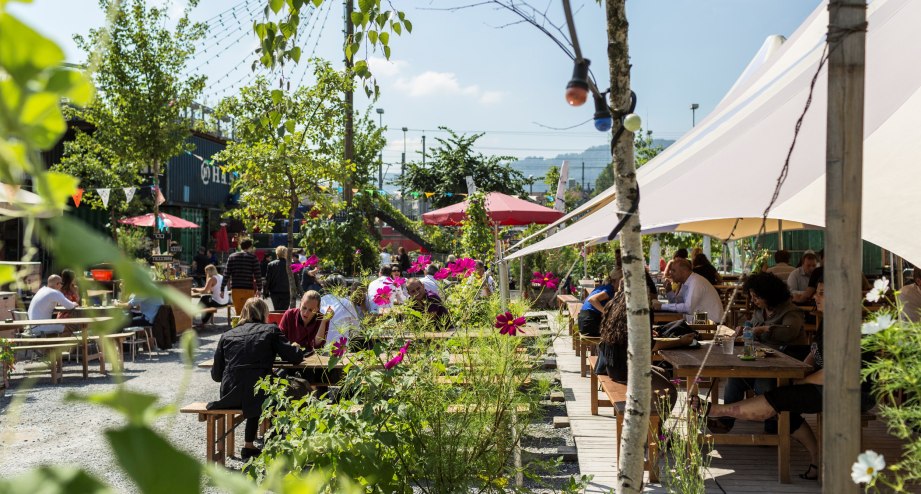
451,162
285,153
143,91
477,239
644,150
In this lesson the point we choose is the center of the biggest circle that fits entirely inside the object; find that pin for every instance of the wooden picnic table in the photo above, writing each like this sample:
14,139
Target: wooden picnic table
9,326
664,316
687,362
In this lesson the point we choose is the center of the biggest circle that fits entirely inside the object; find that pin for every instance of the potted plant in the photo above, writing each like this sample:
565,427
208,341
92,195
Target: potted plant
7,359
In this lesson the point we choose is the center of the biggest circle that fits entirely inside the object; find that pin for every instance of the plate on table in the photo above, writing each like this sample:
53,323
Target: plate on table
747,358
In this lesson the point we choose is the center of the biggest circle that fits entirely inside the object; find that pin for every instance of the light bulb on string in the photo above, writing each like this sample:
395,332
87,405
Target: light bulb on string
603,119
577,88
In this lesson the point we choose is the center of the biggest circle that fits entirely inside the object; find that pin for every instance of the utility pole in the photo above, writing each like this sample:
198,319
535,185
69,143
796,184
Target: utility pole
843,195
423,149
694,107
583,176
349,112
380,164
402,169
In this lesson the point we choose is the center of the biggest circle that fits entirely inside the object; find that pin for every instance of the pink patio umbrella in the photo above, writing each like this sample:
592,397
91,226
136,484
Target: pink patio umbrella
504,210
148,220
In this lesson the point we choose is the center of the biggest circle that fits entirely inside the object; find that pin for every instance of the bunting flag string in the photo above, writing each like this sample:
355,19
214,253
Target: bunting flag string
104,195
160,198
77,196
129,193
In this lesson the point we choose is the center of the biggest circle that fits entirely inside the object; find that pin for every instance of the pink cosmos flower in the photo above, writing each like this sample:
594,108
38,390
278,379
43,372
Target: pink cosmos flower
421,263
357,252
312,260
296,267
547,280
340,346
395,282
398,358
443,274
508,324
464,266
382,297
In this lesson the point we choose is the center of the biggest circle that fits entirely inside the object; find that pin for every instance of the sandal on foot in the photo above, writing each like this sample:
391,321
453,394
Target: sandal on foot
805,475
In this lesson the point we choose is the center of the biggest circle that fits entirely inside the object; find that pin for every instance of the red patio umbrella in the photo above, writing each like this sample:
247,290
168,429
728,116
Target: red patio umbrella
167,219
504,210
221,243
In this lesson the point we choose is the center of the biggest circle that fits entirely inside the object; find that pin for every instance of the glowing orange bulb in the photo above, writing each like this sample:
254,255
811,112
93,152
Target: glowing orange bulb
576,96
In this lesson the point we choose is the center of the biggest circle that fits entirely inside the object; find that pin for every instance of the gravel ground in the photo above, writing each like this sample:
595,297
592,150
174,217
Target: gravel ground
38,427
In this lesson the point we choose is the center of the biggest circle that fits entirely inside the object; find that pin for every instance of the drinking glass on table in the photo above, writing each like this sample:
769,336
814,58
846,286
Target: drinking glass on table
727,343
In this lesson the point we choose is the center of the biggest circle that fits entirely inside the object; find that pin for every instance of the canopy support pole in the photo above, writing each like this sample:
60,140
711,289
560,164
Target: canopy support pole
502,265
779,234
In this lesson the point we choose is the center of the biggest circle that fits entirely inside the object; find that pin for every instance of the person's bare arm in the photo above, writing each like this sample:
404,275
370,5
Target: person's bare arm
597,300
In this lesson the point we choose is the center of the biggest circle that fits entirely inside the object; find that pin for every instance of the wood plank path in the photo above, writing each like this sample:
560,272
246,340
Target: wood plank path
733,469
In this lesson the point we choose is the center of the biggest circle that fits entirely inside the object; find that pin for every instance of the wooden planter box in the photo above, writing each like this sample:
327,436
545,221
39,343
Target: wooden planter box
184,286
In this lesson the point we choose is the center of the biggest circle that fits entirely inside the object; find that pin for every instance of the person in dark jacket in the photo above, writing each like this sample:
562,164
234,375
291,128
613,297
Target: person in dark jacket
244,355
403,260
242,275
276,280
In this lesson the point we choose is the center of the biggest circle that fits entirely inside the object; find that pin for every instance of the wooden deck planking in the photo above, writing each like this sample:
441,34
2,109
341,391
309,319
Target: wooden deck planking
738,469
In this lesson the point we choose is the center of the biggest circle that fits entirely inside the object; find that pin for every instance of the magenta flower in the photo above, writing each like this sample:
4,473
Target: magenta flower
357,252
395,282
296,267
508,324
382,297
311,261
398,358
463,266
421,263
547,280
443,274
340,346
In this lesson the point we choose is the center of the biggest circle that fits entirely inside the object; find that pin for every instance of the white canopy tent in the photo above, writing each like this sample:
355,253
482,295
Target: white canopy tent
726,167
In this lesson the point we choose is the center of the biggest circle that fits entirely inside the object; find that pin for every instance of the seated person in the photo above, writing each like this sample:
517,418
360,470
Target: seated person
346,318
695,295
804,396
429,281
43,305
910,296
703,267
303,325
489,285
146,309
798,279
374,286
781,267
244,355
211,294
590,315
429,303
777,323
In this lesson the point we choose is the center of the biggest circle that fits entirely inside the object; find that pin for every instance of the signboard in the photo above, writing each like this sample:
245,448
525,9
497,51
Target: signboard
175,249
163,258
159,235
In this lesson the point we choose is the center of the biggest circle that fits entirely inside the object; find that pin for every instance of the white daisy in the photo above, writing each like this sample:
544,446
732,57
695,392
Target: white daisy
884,321
867,466
880,287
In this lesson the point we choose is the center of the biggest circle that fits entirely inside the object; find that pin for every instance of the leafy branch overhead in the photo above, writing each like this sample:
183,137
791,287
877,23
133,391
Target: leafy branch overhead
373,27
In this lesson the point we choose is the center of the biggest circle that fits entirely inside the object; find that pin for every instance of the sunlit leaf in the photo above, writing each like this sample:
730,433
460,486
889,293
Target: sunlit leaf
138,408
24,52
54,480
41,119
71,84
56,186
276,5
409,26
385,38
230,481
153,464
396,28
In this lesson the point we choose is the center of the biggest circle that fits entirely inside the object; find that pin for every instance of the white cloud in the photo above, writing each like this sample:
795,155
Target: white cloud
431,83
383,68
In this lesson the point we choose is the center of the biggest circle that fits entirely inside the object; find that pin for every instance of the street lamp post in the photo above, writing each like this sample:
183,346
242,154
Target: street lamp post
402,168
694,107
380,165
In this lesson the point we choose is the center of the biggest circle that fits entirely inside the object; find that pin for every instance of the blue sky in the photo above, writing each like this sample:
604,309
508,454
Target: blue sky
474,70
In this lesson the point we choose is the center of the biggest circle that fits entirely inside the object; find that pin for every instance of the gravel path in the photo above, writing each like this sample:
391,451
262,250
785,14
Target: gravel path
44,429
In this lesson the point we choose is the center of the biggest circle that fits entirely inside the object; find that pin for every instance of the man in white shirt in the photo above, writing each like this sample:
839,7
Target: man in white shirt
798,280
429,282
346,317
910,296
696,293
43,304
781,267
489,286
374,286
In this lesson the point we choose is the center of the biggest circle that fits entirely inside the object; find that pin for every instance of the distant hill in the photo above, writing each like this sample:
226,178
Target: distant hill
596,158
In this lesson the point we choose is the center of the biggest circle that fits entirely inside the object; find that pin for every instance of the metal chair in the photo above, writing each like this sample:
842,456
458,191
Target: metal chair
136,340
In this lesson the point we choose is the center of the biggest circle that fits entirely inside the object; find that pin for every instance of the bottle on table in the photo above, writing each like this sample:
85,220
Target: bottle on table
748,339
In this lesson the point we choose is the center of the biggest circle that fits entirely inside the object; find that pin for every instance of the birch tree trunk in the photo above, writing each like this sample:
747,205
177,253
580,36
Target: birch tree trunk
636,420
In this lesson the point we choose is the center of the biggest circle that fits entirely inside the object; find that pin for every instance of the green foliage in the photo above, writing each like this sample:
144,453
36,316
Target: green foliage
143,89
7,359
373,27
643,151
686,462
445,419
552,179
133,242
897,388
477,240
337,242
451,162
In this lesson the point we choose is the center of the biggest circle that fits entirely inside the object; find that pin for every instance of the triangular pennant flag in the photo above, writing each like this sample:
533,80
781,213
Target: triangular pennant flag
129,193
160,198
77,196
324,187
104,195
429,194
449,194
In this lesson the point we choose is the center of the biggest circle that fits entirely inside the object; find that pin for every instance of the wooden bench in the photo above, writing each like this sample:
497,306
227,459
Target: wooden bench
573,309
55,350
219,430
214,310
565,298
616,394
588,345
